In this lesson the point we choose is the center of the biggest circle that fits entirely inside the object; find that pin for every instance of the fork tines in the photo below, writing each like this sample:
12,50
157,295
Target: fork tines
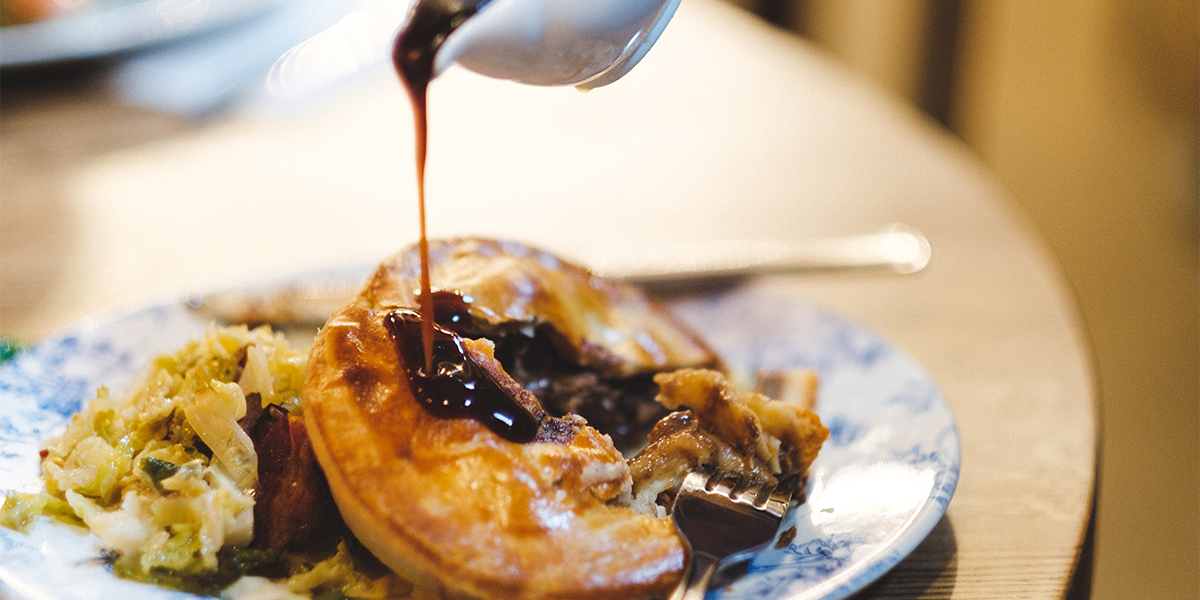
723,518
734,487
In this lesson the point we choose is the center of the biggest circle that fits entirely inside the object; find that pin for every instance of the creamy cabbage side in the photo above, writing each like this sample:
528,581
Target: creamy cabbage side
167,477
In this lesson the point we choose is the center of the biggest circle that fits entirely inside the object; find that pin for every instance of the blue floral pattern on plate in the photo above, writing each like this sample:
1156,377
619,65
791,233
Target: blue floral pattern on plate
881,483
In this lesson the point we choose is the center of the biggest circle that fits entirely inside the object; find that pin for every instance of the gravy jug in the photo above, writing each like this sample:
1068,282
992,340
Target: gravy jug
584,43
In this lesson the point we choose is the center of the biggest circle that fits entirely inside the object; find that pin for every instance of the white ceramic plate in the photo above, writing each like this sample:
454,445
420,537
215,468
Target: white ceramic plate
108,26
880,484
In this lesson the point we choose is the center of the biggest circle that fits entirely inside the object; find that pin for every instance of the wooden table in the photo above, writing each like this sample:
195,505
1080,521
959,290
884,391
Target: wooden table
729,129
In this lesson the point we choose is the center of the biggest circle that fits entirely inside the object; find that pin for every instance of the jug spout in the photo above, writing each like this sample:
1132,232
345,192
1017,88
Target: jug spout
586,44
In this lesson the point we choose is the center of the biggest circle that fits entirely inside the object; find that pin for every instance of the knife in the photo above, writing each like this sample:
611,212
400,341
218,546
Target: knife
899,250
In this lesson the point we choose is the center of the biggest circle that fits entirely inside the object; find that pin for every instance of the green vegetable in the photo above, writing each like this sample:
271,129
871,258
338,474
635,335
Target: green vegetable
158,469
232,564
61,509
20,511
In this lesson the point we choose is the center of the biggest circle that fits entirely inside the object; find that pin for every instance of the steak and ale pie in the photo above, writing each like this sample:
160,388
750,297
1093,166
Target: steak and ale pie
493,464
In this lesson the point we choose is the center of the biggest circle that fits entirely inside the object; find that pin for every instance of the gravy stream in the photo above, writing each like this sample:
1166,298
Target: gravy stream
450,385
427,27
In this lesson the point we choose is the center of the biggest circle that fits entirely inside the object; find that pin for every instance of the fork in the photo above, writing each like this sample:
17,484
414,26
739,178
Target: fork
722,518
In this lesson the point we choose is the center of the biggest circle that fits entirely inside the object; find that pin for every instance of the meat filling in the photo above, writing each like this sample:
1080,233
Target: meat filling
621,407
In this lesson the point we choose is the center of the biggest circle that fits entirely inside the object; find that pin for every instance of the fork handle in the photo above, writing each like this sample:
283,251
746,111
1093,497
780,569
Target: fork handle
695,580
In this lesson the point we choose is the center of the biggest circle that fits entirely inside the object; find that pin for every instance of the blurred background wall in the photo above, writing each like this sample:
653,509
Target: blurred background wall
1087,111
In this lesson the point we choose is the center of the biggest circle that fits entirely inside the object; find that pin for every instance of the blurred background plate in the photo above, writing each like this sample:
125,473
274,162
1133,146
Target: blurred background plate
105,27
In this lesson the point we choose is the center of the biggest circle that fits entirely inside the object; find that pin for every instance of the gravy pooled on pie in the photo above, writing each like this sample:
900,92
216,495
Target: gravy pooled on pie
583,344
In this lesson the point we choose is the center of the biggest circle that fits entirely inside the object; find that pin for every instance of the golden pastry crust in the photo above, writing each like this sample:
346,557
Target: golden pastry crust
448,496
603,324
453,506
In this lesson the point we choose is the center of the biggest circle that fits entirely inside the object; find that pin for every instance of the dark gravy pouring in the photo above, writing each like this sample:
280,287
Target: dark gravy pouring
450,384
428,26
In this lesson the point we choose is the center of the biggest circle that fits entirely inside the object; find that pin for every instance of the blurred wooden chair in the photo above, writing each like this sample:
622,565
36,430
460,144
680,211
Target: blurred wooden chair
1089,113
908,47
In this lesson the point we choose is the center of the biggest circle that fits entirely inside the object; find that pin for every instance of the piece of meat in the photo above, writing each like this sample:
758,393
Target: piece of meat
292,500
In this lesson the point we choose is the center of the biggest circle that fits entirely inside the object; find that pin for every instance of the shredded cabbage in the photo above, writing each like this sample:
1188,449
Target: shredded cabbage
165,476
20,511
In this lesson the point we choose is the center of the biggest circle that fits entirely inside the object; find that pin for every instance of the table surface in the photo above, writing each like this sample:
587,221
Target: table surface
729,129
